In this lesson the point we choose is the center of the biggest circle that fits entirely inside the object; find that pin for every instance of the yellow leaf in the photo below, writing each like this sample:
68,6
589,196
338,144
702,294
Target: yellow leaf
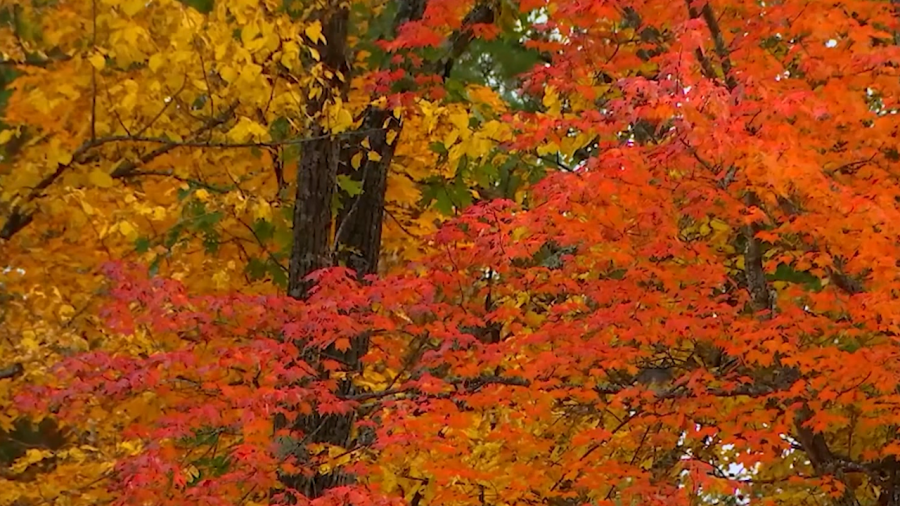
97,60
130,447
66,311
719,225
249,33
391,136
533,319
99,178
132,7
127,229
314,32
64,158
551,100
228,74
356,161
263,211
202,194
365,143
156,61
460,120
375,157
29,343
31,456
6,135
220,279
343,120
314,53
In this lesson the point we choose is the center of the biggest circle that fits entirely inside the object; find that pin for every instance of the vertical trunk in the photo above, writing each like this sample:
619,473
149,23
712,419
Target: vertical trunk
317,168
312,245
357,241
316,174
359,231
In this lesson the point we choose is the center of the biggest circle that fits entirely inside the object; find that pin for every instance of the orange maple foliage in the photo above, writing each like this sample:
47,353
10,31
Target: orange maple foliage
700,304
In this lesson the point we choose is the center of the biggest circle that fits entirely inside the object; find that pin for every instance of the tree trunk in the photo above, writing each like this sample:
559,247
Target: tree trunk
312,245
358,236
357,241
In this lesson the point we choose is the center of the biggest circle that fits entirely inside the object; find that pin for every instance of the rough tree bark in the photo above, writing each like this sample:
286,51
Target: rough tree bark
357,240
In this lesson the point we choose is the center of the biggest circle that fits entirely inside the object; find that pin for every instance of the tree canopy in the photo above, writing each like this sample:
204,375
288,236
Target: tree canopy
449,253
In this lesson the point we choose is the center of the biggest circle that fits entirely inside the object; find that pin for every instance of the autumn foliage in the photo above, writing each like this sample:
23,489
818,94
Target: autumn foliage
446,253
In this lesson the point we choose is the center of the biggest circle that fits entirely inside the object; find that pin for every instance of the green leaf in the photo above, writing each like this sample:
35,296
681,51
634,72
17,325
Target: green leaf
199,102
173,236
204,6
442,202
264,230
256,269
284,239
350,186
153,270
279,276
785,272
290,154
211,242
279,129
439,148
536,174
142,244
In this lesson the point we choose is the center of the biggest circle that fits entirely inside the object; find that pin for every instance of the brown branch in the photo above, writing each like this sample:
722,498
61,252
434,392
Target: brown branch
11,371
171,174
676,392
459,41
31,61
721,47
19,218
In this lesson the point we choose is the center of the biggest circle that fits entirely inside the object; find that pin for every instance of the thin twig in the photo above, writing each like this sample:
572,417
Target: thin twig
163,109
400,225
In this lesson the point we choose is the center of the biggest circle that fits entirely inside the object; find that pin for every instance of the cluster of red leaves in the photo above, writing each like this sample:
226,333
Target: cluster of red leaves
630,292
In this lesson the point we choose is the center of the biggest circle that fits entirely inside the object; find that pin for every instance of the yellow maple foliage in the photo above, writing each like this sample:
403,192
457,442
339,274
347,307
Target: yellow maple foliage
157,133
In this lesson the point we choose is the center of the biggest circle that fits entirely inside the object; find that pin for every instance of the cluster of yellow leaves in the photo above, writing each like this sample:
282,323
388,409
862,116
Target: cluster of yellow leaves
415,161
122,79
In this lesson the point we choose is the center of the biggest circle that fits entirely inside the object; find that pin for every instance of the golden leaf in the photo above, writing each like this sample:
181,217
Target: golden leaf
156,61
132,7
100,178
97,60
314,32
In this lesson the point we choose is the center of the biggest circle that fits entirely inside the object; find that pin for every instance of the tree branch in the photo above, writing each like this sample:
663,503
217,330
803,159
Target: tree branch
11,371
